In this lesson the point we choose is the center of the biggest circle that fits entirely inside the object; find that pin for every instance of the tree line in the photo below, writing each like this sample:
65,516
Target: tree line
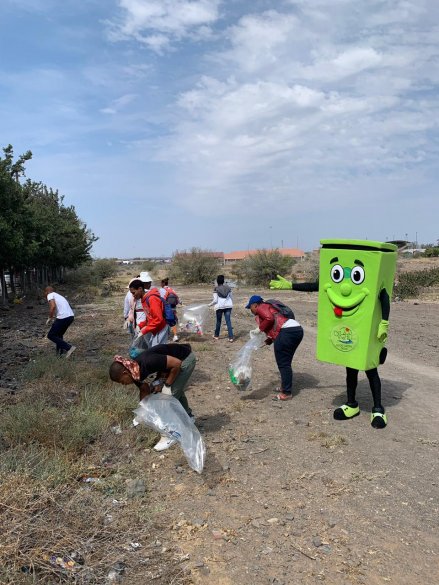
39,236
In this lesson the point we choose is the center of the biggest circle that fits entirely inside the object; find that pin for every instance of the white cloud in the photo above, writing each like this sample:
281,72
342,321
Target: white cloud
157,23
119,104
286,114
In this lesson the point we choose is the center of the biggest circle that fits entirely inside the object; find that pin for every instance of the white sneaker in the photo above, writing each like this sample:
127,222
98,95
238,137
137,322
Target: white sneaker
70,351
175,338
164,443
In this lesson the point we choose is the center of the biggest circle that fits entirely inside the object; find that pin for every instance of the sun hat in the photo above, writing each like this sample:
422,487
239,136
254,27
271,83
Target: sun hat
145,277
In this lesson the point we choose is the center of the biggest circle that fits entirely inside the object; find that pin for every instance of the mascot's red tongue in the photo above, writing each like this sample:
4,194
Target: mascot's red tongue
338,311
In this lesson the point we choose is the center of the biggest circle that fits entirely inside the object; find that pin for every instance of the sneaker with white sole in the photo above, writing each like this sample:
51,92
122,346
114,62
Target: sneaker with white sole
164,443
70,351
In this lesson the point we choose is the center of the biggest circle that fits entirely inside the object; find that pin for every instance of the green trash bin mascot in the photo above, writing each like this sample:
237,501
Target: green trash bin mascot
355,285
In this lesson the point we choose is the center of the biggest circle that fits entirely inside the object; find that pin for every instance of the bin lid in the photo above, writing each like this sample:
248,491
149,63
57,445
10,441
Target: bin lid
367,245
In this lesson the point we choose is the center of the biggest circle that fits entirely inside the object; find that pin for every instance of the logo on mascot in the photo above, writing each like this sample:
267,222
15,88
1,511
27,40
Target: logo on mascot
344,338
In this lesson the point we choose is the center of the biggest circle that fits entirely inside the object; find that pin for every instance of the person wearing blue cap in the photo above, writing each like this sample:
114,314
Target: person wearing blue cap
277,321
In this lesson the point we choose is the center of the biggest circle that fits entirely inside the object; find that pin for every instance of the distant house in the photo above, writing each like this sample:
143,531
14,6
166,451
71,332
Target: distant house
240,255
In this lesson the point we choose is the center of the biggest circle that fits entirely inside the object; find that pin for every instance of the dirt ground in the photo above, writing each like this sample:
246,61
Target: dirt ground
288,495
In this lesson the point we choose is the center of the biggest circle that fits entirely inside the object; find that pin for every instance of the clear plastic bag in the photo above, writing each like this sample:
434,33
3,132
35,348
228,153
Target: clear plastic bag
139,345
240,370
166,415
194,318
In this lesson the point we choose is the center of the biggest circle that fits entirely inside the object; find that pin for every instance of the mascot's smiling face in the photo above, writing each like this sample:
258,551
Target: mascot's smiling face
346,286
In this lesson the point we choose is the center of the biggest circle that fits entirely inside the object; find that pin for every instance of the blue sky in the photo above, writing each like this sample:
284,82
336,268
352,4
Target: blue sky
228,124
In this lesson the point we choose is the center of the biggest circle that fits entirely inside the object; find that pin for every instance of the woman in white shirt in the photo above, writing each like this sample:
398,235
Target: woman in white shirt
222,299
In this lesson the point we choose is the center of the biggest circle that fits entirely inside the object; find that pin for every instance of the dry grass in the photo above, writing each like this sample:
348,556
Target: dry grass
328,441
70,423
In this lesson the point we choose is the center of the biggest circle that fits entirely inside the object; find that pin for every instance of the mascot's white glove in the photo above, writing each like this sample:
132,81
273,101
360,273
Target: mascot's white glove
166,390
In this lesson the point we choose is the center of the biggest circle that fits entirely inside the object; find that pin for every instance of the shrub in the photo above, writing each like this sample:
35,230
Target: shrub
260,268
66,427
410,283
194,267
38,463
92,273
431,251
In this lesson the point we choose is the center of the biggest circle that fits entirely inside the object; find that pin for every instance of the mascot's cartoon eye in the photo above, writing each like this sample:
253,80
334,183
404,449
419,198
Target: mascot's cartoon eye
357,275
337,274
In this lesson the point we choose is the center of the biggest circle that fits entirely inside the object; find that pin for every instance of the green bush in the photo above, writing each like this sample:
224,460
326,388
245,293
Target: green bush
258,269
410,284
196,266
92,273
431,252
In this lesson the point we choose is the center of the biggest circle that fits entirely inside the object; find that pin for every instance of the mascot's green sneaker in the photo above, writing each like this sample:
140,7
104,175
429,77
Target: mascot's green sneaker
345,412
378,420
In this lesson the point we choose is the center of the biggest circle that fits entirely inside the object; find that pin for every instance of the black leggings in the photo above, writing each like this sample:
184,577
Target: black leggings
374,383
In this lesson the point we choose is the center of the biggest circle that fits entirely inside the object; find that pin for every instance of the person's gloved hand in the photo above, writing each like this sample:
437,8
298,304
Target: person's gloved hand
280,283
49,321
255,332
166,390
383,329
268,341
156,386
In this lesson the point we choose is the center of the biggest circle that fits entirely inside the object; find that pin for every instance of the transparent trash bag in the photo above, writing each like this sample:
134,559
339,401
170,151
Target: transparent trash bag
194,319
139,345
240,370
165,414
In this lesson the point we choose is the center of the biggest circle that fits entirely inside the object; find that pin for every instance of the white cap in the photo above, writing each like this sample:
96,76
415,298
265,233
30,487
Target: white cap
145,277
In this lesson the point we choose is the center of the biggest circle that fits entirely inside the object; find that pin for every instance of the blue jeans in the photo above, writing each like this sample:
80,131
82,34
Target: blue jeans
219,316
56,333
285,346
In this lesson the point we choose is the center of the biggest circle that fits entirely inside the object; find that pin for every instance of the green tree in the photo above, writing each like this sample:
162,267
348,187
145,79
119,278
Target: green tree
36,229
259,268
194,266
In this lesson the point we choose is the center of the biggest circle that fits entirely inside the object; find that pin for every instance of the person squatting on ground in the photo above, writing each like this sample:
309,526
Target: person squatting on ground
355,279
170,296
63,315
173,365
222,299
148,312
286,333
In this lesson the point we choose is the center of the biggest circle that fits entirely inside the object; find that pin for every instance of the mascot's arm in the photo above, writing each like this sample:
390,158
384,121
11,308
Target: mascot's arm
306,286
383,327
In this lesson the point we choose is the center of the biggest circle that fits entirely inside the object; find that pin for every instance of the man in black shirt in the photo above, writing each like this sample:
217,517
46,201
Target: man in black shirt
171,362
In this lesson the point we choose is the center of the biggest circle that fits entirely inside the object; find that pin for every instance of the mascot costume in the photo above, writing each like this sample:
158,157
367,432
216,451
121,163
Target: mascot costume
355,286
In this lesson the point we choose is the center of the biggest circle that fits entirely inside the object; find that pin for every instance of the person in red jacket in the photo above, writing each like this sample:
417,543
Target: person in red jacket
285,334
155,322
